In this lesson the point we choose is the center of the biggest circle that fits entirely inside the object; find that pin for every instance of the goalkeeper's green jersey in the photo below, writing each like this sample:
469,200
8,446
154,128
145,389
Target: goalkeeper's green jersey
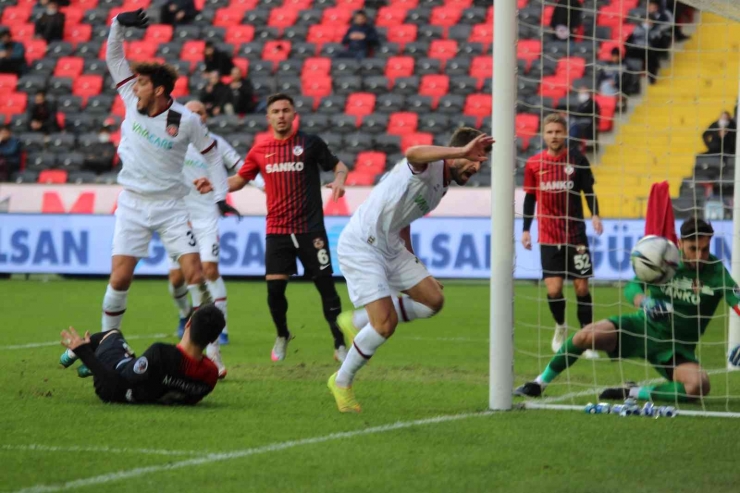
694,298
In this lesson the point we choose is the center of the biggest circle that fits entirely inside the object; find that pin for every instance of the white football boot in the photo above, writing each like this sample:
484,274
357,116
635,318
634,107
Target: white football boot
559,338
214,354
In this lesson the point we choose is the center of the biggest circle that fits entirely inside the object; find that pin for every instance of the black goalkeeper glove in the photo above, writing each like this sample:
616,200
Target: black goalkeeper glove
226,209
134,18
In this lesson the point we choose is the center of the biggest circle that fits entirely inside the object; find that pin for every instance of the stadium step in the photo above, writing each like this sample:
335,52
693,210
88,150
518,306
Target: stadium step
663,135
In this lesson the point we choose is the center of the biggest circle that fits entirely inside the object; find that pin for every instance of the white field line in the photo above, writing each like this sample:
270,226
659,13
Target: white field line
58,343
219,457
103,450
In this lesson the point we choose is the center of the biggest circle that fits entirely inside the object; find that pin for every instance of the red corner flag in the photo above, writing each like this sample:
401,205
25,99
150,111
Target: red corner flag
660,220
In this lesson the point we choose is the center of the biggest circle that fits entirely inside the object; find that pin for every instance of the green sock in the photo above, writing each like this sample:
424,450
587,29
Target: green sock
566,356
666,392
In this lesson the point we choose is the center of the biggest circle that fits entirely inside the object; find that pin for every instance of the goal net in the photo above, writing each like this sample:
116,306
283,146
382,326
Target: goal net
649,92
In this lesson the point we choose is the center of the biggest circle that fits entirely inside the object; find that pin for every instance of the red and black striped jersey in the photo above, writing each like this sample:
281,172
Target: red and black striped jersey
291,170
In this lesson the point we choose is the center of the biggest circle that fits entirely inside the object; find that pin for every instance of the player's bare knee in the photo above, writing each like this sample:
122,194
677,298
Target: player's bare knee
584,338
581,288
176,278
697,387
386,325
210,271
436,302
120,281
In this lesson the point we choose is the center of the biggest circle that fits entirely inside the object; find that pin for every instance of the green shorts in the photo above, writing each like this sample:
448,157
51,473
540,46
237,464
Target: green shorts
639,339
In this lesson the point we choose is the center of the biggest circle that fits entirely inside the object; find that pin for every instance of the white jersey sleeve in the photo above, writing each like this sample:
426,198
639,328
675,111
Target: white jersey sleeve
202,140
118,66
229,155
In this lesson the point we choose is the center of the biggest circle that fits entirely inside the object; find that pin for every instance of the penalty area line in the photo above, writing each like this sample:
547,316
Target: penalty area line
98,449
57,343
220,457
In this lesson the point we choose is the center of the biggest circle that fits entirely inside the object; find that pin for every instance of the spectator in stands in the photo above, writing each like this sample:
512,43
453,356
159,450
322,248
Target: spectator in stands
644,45
242,93
177,12
721,135
215,95
42,114
217,60
10,153
566,19
50,25
12,55
663,23
610,74
99,156
582,119
360,39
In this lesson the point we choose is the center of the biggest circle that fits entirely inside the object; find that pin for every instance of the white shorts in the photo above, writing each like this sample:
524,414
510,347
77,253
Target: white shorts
137,217
372,275
205,227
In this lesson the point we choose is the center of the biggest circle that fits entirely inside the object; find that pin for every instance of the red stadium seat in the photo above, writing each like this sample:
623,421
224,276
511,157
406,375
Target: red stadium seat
118,109
360,179
283,17
443,49
320,34
416,139
402,34
370,162
27,3
192,51
529,50
80,33
85,4
350,5
404,4
481,68
159,33
13,103
87,85
69,66
399,66
459,4
390,16
181,87
479,106
482,33
140,51
605,50
360,104
611,16
243,5
72,15
136,4
228,17
35,49
434,86
554,86
608,106
298,4
22,32
14,14
316,87
114,12
623,32
276,51
547,15
445,16
8,83
336,16
314,66
237,35
571,68
242,64
402,123
527,125
53,176
490,15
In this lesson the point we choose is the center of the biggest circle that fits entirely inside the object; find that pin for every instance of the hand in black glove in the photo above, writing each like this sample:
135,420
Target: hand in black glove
134,18
226,209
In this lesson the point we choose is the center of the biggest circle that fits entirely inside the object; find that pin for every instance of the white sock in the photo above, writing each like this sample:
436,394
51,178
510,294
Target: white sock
634,392
200,294
540,381
71,354
180,296
114,306
366,342
218,292
360,318
408,309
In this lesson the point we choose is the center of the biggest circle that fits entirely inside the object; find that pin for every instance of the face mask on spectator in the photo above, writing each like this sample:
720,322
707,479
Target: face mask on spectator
104,137
723,122
646,25
582,97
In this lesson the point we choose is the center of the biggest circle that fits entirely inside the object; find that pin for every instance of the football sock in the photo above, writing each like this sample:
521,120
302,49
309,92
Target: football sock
366,342
278,304
585,310
565,357
666,392
360,318
557,308
406,310
218,292
180,296
200,295
332,306
114,306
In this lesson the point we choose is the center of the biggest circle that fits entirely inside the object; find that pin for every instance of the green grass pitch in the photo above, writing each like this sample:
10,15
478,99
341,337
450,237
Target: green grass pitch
274,427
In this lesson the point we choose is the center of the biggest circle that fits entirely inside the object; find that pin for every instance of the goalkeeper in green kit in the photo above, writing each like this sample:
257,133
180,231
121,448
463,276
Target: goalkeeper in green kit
665,331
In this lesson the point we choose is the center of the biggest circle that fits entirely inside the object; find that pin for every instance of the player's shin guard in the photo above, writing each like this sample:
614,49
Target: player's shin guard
566,356
218,292
180,296
200,294
585,310
557,308
114,306
278,304
332,306
408,309
367,341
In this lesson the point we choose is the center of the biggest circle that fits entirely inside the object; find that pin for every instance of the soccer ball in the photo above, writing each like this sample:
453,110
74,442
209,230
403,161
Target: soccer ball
655,259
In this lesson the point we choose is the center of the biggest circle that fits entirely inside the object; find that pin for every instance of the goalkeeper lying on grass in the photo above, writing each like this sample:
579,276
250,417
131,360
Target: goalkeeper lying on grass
665,331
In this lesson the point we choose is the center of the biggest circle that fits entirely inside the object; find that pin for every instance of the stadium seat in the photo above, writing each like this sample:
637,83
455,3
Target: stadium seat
317,87
458,66
377,84
228,17
100,104
402,123
8,83
347,85
257,17
443,49
554,87
61,143
612,15
344,66
22,32
374,124
237,35
13,103
428,66
351,5
445,16
390,103
192,51
359,105
399,66
78,33
482,33
140,51
25,176
336,16
283,17
315,123
344,124
459,4
402,34
605,50
463,85
316,66
357,142
243,5
527,125
54,176
309,17
35,49
481,68
451,104
251,51
421,105
181,87
87,86
479,106
404,4
372,66
434,123
69,67
159,33
276,51
608,107
388,50
406,86
529,50
571,68
298,5
390,16
13,14
321,34
69,104
416,139
360,179
434,86
370,162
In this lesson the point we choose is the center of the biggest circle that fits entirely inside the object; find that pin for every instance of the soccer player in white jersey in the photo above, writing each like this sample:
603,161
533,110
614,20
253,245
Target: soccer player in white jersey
155,136
376,256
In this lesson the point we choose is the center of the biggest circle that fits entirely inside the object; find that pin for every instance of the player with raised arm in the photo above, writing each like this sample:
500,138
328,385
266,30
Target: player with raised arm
164,374
666,330
554,181
376,255
290,162
155,136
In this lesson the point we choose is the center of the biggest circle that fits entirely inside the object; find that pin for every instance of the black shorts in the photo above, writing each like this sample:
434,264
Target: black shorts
312,249
114,352
567,261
